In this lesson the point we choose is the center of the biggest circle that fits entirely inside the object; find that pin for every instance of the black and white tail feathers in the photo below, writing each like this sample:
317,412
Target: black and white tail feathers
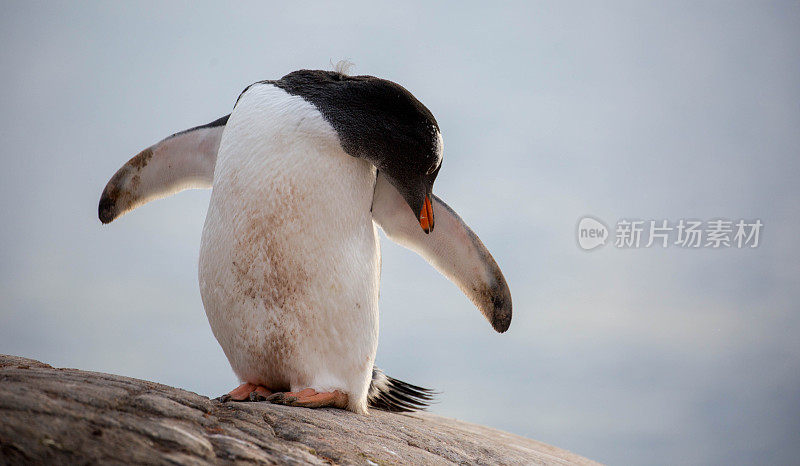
394,395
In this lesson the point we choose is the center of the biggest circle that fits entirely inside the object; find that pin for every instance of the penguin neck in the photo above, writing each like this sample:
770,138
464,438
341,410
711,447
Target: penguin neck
278,146
271,130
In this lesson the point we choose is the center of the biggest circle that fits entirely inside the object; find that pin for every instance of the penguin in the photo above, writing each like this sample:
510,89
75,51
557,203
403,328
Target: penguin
303,172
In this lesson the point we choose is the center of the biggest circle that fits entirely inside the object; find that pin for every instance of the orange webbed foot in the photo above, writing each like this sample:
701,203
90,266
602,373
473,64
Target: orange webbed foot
310,398
246,392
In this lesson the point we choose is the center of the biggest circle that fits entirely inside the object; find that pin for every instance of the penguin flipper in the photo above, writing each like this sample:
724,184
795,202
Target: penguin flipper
182,161
452,248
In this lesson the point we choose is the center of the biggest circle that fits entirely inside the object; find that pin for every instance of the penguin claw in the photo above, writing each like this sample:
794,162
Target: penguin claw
255,396
246,392
281,399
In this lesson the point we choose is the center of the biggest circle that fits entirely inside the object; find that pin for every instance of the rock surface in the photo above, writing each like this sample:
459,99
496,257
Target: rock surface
58,416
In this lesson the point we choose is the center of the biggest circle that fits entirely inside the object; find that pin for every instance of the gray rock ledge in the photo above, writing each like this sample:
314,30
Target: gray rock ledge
68,416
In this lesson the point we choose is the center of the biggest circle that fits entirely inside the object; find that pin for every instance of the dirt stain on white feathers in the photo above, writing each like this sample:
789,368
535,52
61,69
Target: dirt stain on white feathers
120,194
267,274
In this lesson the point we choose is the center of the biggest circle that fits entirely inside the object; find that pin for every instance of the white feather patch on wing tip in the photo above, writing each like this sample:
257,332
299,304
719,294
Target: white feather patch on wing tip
343,67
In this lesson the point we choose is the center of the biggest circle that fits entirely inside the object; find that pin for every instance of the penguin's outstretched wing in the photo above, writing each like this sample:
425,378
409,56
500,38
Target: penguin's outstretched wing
452,248
184,160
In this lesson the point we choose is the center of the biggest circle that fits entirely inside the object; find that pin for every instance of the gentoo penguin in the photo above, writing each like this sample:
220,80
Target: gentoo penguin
303,170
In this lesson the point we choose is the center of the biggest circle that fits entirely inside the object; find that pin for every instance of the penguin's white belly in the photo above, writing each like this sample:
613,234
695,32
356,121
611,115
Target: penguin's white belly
289,261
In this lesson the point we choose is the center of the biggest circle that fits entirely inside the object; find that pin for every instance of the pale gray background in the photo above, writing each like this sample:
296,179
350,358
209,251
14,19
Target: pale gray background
549,111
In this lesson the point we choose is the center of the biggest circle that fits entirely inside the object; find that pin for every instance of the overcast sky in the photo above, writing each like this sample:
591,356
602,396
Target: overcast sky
549,111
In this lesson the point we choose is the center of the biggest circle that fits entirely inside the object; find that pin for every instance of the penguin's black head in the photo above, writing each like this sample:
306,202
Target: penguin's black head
380,121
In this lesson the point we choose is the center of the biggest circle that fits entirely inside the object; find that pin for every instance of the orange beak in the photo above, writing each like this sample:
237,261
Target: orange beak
426,216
